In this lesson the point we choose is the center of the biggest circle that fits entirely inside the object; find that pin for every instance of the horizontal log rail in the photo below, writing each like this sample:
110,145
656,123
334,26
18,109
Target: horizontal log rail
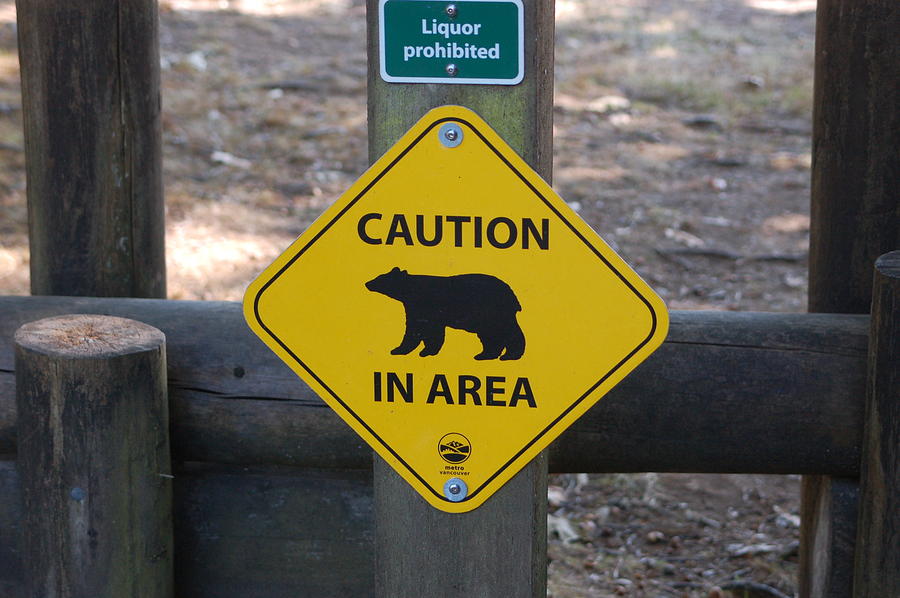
727,392
239,532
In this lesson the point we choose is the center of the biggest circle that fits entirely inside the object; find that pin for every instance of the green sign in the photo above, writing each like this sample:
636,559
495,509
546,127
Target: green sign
462,41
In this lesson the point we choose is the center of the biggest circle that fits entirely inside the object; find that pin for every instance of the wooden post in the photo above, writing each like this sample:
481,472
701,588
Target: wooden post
522,114
500,548
855,170
855,218
93,458
91,106
877,571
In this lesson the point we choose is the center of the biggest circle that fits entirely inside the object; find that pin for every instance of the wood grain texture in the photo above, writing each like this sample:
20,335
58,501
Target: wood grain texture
855,165
12,578
91,108
855,209
727,392
522,114
273,533
499,549
94,458
877,570
463,554
827,535
239,532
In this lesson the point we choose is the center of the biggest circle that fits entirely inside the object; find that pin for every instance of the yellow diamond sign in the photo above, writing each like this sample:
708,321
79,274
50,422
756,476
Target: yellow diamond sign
454,311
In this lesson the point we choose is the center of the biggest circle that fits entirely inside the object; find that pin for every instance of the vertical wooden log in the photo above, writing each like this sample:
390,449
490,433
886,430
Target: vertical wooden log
91,106
877,570
855,218
827,536
93,458
855,170
522,114
500,548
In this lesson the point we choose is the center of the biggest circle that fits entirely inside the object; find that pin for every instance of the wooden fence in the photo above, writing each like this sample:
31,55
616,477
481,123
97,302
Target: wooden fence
290,486
272,495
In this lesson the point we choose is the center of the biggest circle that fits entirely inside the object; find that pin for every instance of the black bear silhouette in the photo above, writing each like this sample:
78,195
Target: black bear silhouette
478,303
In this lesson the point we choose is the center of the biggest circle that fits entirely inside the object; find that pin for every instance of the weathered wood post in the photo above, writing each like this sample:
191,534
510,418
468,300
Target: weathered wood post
855,218
93,457
877,571
91,106
499,549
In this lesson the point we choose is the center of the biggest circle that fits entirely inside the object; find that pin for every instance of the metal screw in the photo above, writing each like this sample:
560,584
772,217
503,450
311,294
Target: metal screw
451,11
455,490
450,134
452,70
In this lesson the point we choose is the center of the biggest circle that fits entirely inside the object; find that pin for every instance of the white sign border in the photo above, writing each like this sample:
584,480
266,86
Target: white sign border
454,80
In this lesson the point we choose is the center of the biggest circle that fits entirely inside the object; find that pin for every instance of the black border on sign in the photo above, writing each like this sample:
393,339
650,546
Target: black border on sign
552,209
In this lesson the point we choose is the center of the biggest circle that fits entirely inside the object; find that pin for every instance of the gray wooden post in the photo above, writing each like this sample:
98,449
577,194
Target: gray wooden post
500,548
855,218
877,571
91,108
93,458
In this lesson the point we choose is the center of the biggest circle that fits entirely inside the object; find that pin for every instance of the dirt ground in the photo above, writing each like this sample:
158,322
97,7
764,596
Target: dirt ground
682,135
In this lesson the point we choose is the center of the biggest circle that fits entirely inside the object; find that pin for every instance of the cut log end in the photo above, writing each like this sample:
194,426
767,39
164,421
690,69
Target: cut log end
88,336
889,264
